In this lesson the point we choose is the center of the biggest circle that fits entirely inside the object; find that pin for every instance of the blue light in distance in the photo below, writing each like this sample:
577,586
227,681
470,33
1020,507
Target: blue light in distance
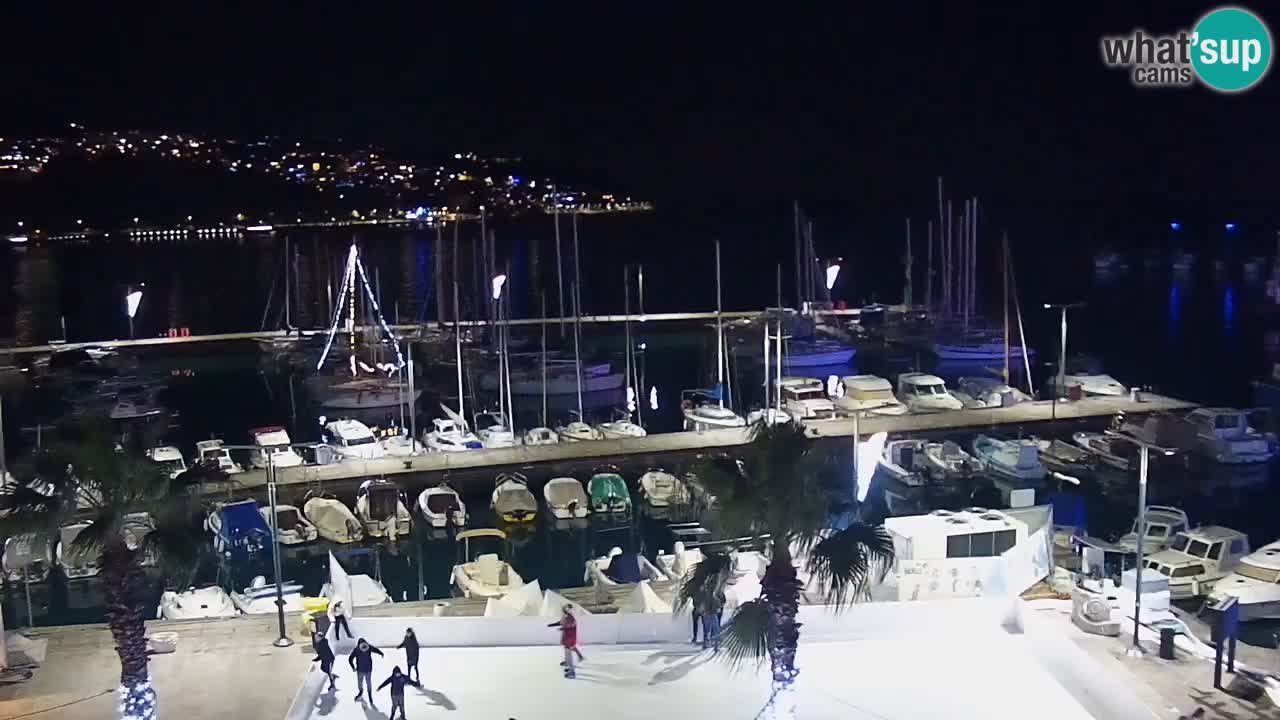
1231,227
1175,226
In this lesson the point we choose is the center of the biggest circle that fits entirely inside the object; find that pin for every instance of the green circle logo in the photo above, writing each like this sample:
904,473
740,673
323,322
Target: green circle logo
1231,49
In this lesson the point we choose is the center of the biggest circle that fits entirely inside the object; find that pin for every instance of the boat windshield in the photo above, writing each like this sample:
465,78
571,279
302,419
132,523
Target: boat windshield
366,440
1180,543
442,502
807,394
172,466
873,394
1267,575
277,449
383,503
287,519
931,390
215,454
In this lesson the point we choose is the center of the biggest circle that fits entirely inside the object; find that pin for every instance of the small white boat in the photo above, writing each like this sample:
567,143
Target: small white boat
768,416
380,507
401,445
806,399
447,435
868,394
169,459
486,575
577,431
1112,451
1163,524
260,597
1014,459
353,440
210,601
494,430
1226,437
619,568
662,489
702,411
332,519
620,427
273,441
1098,384
565,498
27,557
924,393
1197,559
365,592
212,452
76,565
985,392
442,506
511,500
541,436
947,460
1255,583
905,461
291,527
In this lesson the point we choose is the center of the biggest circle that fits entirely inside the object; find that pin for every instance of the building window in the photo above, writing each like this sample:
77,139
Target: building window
991,544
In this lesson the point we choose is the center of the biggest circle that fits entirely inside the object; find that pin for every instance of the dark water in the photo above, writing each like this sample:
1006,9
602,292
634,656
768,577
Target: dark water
1203,334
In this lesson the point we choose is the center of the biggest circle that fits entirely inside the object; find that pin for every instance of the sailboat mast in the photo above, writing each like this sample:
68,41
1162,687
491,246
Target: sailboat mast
506,355
543,301
457,350
626,326
559,270
777,370
799,288
1004,253
928,284
766,363
288,322
719,334
907,293
577,343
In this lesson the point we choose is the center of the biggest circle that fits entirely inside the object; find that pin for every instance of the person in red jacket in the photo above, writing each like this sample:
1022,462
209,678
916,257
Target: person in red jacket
568,625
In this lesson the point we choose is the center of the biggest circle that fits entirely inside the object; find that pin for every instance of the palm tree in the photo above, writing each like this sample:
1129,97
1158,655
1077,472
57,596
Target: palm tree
83,476
783,488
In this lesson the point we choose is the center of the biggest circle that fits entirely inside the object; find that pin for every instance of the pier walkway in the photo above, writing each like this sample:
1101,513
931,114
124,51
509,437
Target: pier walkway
653,447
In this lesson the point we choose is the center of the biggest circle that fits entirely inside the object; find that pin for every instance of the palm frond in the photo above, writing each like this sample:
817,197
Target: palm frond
745,638
705,581
848,562
177,549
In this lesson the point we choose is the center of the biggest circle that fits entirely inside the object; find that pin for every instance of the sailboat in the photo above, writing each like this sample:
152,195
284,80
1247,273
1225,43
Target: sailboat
362,386
288,342
622,426
700,413
576,430
542,435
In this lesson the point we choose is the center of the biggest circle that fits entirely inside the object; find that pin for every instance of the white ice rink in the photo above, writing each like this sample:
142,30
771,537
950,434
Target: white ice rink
989,675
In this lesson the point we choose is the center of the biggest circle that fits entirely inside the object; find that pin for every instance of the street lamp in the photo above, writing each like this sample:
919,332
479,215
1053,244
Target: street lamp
1062,349
1144,453
132,300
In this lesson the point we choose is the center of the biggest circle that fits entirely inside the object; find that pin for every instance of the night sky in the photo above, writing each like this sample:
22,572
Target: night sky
853,110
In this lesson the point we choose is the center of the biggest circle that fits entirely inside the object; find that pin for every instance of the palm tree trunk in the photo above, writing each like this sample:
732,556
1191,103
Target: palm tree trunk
781,590
125,587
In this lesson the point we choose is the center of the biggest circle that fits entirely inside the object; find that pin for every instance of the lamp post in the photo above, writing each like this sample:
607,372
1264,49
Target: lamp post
1144,456
132,299
1062,343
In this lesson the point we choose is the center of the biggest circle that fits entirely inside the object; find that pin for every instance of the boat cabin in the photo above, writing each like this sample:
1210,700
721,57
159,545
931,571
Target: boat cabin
212,452
354,439
924,392
1163,524
273,441
806,398
869,392
169,459
1224,423
1196,559
1226,436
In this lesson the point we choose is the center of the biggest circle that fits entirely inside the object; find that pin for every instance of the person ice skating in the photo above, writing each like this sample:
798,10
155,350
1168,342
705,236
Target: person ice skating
410,647
397,681
338,614
361,660
324,656
711,622
568,625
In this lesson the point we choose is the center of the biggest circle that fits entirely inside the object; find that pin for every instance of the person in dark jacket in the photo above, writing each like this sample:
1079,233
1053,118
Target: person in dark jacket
361,660
410,647
397,681
324,656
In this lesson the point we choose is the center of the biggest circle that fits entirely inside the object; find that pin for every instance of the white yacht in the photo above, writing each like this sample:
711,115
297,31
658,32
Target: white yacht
212,452
541,436
924,393
1255,583
1197,559
565,498
442,506
380,508
1226,436
806,399
447,435
494,430
868,394
621,427
169,459
702,412
354,440
273,441
485,575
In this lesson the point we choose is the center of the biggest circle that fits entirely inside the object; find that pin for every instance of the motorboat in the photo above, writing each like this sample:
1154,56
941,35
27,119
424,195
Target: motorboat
868,394
608,492
209,601
1014,459
541,436
27,558
381,509
1111,450
577,431
238,527
442,506
565,498
353,440
1225,436
272,441
365,591
745,564
1163,524
1090,384
662,489
905,461
946,460
169,459
702,411
214,454
135,403
365,393
806,399
401,445
621,568
486,575
985,392
1064,457
924,393
76,564
494,430
332,519
291,527
620,427
447,435
511,500
1255,583
768,416
260,597
1197,559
